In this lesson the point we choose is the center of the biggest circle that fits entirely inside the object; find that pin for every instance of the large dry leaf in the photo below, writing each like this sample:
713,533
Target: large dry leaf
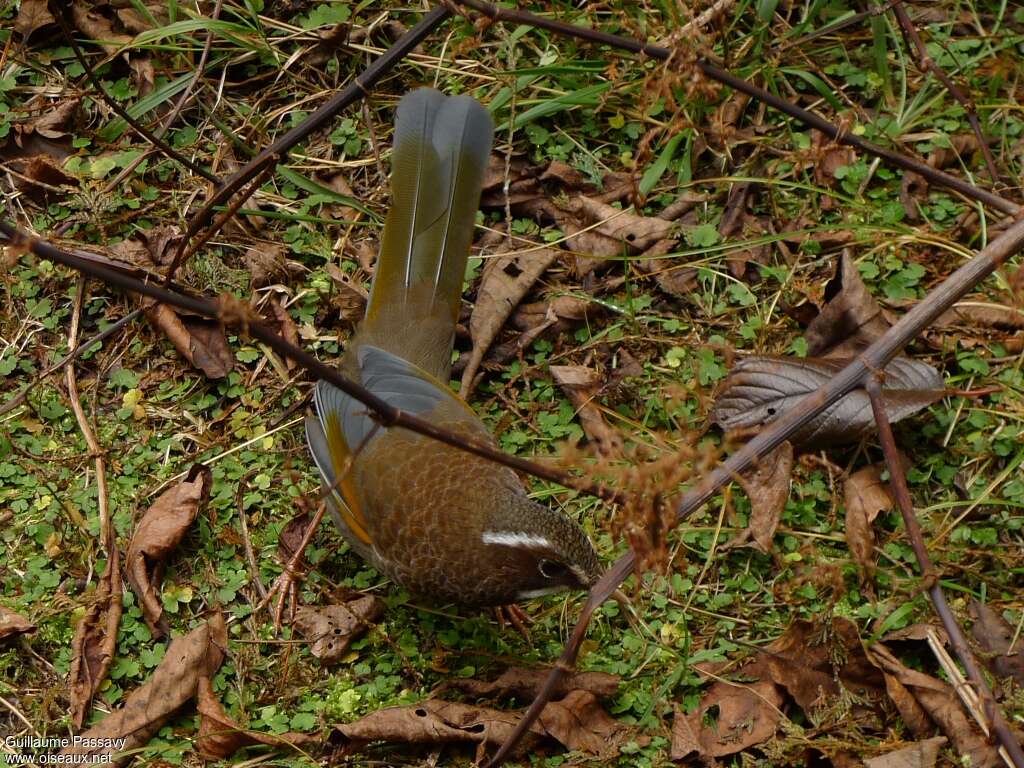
814,666
850,319
200,340
281,323
939,702
13,624
920,754
174,682
581,385
747,715
330,629
220,736
996,638
867,495
760,389
506,279
439,722
95,641
577,721
524,684
157,535
32,15
624,227
767,487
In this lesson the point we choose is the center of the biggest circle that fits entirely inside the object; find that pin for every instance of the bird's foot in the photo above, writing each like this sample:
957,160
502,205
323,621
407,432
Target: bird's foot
285,587
516,616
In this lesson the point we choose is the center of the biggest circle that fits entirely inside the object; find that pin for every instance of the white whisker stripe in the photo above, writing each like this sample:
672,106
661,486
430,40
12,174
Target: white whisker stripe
515,539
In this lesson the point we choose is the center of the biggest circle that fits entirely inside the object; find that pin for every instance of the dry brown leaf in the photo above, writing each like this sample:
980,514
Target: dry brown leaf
866,496
220,736
506,279
996,638
13,624
439,722
524,684
982,315
767,487
338,183
921,754
576,721
747,715
283,325
581,385
569,310
939,702
350,298
99,28
158,533
266,264
95,641
32,15
199,340
623,227
850,318
760,389
37,175
331,629
173,683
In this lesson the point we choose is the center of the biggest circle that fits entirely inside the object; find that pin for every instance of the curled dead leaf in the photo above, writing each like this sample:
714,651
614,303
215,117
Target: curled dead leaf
581,385
32,15
330,629
13,624
158,533
506,279
173,683
867,496
95,641
1003,653
266,264
920,754
767,487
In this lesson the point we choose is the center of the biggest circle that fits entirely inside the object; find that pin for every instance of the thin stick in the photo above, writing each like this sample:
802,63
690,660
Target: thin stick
90,672
933,175
927,64
250,322
898,484
138,127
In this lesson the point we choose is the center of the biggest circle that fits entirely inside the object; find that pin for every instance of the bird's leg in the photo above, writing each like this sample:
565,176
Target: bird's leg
286,585
515,616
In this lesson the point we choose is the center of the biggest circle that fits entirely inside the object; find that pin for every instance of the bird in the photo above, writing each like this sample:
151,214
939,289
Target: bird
440,522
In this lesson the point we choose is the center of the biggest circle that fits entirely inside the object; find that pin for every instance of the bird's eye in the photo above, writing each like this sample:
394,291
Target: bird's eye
552,569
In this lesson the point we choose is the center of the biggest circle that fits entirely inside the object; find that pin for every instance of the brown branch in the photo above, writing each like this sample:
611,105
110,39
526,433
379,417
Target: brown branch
278,151
231,312
898,483
138,127
89,668
927,64
933,175
874,358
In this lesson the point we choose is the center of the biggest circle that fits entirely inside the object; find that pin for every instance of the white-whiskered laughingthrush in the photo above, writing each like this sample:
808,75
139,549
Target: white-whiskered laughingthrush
442,523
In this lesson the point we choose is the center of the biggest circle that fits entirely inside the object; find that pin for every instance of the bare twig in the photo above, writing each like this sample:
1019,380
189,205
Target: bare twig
249,322
898,483
88,672
167,149
933,175
927,64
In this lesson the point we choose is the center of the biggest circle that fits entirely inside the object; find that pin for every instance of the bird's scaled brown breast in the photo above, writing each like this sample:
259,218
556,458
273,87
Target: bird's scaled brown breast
428,504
